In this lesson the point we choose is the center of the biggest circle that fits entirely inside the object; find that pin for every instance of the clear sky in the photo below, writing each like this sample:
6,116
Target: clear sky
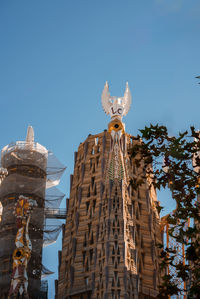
55,57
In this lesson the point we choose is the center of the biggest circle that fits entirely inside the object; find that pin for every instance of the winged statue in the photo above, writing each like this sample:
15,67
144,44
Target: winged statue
115,106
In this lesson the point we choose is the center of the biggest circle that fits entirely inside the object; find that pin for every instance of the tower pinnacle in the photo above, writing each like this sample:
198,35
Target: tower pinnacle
30,134
115,106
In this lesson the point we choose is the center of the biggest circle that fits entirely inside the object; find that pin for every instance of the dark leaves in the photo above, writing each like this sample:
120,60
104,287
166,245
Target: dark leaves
167,160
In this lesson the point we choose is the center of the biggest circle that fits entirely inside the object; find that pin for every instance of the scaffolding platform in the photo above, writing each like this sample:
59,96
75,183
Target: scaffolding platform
55,213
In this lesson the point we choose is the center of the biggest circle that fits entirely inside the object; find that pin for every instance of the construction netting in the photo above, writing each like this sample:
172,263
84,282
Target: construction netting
53,198
23,153
54,170
33,172
48,232
52,229
44,272
22,161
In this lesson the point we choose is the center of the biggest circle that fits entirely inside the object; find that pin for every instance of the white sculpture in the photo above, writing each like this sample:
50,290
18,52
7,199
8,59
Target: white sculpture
116,107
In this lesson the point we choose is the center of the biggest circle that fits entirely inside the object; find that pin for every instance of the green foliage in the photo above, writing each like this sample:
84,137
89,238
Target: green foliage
152,147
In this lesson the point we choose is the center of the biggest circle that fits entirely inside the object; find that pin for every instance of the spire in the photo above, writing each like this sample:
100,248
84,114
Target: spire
30,134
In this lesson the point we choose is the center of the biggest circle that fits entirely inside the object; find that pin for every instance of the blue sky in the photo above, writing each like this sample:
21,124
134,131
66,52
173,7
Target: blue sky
55,57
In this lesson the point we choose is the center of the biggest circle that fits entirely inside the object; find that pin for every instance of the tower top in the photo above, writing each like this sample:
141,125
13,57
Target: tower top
115,106
30,134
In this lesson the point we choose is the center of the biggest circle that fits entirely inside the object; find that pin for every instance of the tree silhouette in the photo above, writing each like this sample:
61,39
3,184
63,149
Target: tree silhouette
174,163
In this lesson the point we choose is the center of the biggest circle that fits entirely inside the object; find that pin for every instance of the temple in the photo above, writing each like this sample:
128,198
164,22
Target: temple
109,247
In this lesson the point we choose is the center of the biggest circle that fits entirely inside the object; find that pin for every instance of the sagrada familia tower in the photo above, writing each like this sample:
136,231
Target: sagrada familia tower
109,247
28,176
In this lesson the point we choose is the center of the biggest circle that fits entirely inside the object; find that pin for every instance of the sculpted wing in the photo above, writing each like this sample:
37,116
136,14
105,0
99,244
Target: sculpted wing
105,98
127,99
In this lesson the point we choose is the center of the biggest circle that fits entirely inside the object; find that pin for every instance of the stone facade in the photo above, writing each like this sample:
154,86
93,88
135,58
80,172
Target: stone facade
109,246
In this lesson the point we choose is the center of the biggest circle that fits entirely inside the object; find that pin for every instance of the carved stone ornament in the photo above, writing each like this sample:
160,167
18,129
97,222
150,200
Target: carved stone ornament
115,106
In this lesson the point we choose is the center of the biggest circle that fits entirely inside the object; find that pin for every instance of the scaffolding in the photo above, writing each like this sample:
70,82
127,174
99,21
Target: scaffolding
28,196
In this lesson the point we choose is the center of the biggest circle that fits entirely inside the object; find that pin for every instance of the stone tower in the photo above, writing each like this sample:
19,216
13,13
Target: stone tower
108,249
22,194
